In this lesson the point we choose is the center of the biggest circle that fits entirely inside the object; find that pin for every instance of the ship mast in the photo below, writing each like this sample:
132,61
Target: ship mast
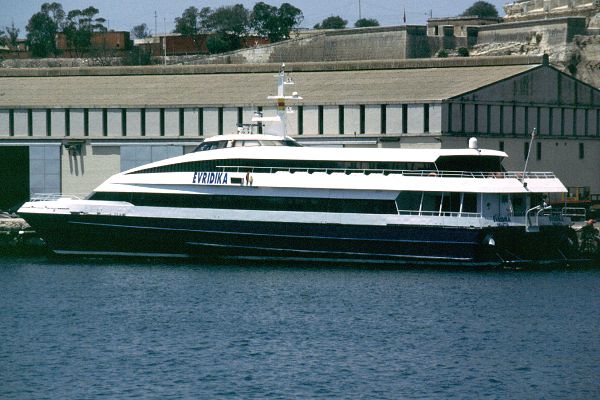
279,122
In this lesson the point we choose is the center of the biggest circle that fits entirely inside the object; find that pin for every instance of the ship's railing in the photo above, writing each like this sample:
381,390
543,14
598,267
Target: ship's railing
421,173
574,212
54,196
454,214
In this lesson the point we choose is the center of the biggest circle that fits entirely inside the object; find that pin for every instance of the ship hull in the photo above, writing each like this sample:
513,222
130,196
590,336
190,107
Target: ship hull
112,235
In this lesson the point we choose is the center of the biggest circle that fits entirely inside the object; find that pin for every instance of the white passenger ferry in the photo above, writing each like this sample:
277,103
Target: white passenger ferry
259,195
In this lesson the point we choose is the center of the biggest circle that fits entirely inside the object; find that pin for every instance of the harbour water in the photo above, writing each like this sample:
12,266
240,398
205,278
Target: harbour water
96,328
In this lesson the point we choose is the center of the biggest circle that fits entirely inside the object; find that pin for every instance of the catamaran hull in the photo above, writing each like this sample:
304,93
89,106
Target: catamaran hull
400,244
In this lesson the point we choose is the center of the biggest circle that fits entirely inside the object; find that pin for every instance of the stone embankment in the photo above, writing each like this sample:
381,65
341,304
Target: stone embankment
17,237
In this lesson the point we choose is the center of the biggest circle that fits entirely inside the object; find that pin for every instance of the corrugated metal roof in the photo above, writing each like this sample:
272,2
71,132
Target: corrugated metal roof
242,89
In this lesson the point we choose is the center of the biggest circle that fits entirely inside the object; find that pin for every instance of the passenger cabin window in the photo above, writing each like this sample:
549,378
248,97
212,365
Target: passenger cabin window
518,204
212,145
302,204
436,203
220,144
470,163
270,165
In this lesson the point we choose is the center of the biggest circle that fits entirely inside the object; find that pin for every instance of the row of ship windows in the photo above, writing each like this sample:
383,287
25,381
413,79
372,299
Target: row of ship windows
360,206
421,202
255,165
435,202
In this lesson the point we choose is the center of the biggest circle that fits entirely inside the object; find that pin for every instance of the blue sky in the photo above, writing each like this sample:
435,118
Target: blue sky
124,14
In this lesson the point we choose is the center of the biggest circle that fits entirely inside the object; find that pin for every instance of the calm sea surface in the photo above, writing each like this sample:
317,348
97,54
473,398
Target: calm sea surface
92,329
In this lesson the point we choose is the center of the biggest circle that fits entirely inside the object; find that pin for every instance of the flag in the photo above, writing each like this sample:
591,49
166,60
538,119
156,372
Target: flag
404,18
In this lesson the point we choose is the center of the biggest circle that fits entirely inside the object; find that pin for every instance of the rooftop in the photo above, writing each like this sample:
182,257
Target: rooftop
372,82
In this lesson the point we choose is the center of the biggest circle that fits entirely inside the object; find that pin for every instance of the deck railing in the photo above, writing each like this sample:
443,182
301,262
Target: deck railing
54,196
453,214
419,173
576,213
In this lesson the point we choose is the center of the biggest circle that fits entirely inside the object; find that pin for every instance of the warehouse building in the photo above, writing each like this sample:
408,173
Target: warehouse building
67,130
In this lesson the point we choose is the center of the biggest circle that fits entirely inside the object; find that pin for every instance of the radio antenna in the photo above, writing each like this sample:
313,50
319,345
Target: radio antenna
527,159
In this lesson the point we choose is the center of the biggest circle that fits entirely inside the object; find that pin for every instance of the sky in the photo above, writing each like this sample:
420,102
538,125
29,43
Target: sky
123,15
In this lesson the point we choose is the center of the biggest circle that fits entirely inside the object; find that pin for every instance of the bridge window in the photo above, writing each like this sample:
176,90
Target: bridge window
436,203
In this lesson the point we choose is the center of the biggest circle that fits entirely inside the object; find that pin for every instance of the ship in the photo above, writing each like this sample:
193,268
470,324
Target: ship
251,195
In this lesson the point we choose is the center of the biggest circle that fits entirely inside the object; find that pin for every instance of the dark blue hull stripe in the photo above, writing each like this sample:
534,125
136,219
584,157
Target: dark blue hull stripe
283,236
347,254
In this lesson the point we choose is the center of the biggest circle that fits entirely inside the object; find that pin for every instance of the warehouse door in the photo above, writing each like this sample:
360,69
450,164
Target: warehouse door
14,177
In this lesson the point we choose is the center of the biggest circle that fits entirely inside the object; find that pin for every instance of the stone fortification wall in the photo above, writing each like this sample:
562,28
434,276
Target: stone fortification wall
342,45
554,37
449,41
541,9
572,44
544,33
387,43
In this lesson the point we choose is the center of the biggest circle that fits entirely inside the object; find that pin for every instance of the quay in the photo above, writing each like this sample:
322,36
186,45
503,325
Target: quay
17,237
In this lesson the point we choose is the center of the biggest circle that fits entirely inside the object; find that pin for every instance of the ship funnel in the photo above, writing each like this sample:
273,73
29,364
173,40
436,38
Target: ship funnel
473,143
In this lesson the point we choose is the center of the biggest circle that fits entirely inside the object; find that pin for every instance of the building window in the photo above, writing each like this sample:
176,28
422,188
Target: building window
426,117
162,122
587,123
562,122
123,122
260,124
450,118
463,111
200,121
300,120
11,122
475,118
341,119
320,120
30,122
501,146
514,120
143,121
104,122
240,116
181,121
525,150
220,120
67,122
501,120
581,151
550,120
362,123
383,119
48,123
404,118
488,119
86,122
538,153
